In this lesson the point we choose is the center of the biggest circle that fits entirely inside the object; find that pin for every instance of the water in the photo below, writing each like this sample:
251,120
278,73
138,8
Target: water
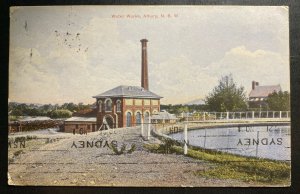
256,141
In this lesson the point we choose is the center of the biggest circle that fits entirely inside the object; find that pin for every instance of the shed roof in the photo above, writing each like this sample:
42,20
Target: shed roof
128,91
264,91
81,119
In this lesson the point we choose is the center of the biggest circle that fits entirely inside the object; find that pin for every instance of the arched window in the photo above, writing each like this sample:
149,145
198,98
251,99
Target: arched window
128,119
138,118
118,106
108,105
146,117
99,105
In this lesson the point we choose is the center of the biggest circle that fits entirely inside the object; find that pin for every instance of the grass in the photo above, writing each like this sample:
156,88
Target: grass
230,166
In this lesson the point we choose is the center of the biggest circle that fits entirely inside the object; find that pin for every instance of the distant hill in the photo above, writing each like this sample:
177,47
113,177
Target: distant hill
199,101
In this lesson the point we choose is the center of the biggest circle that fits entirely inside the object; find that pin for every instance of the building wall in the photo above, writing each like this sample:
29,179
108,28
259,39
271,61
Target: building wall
132,105
88,126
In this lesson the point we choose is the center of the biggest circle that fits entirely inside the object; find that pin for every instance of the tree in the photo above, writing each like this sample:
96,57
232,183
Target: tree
61,113
279,101
226,96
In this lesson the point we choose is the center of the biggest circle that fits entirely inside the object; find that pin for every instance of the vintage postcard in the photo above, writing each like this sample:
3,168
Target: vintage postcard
163,96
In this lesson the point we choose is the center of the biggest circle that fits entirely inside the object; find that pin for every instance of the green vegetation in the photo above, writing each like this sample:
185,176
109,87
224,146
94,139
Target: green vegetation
279,101
62,113
21,109
114,148
227,96
230,166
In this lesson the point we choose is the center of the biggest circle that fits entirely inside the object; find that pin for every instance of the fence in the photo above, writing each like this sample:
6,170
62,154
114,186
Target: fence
204,116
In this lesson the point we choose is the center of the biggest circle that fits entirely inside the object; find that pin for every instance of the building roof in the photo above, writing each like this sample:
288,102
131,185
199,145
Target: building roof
264,91
164,115
128,91
82,119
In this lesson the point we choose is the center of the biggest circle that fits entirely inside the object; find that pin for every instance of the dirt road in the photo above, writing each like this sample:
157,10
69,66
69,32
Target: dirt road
86,160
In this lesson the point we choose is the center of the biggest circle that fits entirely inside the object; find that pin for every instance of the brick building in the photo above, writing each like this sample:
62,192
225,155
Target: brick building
122,106
125,106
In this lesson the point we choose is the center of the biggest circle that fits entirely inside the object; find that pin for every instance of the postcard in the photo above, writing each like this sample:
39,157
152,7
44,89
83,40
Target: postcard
149,96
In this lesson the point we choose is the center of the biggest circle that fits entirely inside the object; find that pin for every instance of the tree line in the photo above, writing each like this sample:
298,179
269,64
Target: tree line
53,111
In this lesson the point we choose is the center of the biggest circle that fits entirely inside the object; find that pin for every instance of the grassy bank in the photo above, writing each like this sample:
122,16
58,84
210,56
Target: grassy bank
229,166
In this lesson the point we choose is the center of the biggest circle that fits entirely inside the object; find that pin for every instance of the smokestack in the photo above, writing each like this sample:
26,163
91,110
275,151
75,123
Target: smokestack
144,79
254,84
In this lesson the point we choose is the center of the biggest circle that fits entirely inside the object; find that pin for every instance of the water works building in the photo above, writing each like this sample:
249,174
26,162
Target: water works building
123,106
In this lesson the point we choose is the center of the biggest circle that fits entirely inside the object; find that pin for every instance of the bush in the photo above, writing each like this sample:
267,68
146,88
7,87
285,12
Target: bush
62,113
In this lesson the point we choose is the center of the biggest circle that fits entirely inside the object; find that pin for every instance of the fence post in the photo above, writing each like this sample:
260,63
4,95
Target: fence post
142,126
287,114
252,114
279,114
185,139
256,152
203,116
227,115
149,127
204,138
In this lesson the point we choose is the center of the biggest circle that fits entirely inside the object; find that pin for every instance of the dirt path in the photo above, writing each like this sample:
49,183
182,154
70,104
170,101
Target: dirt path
61,163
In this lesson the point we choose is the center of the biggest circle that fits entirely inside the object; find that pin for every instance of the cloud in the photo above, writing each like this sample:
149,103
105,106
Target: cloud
266,67
28,80
78,52
178,80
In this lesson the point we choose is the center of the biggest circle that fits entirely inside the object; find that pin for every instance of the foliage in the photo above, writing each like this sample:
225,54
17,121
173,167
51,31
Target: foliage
114,148
132,149
244,168
279,101
226,96
23,109
165,147
62,113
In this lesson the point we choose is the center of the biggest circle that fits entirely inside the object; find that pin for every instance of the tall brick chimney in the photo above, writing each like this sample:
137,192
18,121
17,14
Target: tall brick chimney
254,84
144,79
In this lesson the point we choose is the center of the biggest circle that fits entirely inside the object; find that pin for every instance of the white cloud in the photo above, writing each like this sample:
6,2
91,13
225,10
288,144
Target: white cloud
266,67
179,81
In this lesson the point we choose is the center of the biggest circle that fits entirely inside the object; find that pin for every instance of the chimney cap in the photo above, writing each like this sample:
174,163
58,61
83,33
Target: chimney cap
144,40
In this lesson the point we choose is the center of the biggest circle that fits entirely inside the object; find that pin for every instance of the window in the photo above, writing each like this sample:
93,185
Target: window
100,105
138,118
108,105
146,115
128,119
118,106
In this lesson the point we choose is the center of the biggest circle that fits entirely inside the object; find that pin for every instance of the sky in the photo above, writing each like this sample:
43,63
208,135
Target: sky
70,53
